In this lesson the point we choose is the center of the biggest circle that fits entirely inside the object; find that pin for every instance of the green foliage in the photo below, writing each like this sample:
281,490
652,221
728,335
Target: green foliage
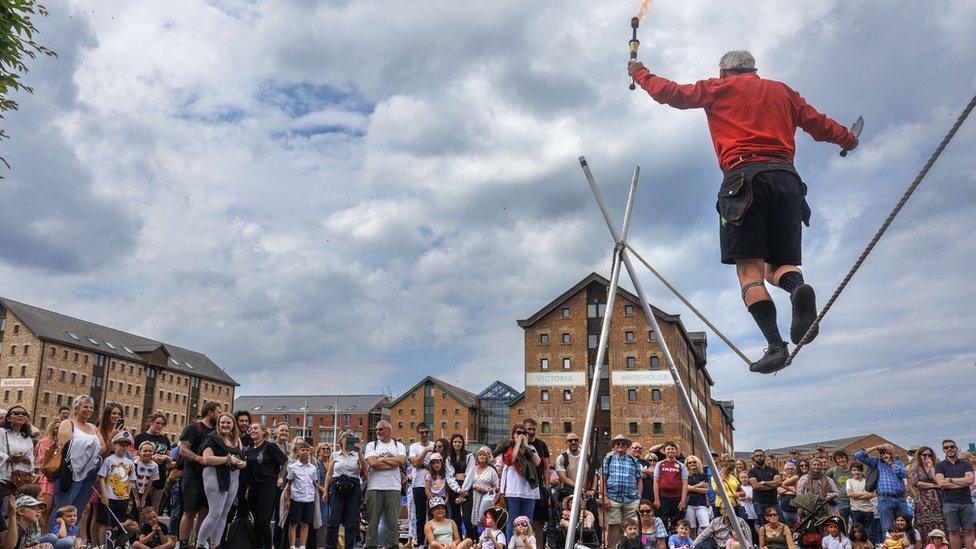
17,45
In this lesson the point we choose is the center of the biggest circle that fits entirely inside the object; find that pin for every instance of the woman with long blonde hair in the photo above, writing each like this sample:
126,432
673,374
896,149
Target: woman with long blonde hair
223,459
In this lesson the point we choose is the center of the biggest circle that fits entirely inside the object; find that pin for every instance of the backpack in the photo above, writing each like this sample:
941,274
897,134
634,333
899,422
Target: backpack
180,459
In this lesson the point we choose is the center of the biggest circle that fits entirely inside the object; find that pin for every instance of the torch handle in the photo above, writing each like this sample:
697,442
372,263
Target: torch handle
634,44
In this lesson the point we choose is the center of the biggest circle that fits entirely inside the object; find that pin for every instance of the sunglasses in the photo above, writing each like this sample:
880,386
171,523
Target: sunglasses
519,433
645,511
19,413
572,440
949,447
772,515
927,454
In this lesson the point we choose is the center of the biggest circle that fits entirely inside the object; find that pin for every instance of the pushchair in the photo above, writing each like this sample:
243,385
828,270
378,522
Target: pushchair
555,535
808,533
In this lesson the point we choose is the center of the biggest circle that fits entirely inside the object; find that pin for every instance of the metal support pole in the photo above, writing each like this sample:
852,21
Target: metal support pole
620,243
601,355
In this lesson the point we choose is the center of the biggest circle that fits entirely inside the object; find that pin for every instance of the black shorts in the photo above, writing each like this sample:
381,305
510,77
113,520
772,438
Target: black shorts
301,512
191,489
118,506
762,207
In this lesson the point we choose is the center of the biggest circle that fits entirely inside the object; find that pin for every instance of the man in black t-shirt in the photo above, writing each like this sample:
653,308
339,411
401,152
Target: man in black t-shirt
541,514
154,434
955,476
243,419
191,485
764,480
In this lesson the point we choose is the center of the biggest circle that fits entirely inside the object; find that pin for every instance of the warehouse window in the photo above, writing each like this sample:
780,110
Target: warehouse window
651,336
565,312
631,395
544,395
566,363
656,395
567,394
655,363
629,336
632,427
543,339
658,428
543,363
631,363
566,339
628,310
546,428
567,427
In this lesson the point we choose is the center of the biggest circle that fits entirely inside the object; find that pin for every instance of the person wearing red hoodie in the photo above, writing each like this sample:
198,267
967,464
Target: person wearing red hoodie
762,200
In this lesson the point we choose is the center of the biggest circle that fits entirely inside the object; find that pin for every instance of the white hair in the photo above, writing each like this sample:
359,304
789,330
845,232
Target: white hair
738,60
80,400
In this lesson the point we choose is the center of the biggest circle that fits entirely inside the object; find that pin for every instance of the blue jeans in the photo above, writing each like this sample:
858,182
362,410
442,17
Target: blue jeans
78,495
517,507
888,507
63,543
343,512
864,518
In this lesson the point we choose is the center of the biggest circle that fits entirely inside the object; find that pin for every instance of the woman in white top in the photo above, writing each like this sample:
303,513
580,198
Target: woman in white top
16,445
519,457
83,456
481,482
343,488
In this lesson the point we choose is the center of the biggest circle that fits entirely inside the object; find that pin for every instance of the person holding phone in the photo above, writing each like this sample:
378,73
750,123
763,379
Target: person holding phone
343,489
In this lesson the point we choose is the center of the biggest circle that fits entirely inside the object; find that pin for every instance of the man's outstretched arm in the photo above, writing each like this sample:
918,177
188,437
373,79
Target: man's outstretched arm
667,92
822,127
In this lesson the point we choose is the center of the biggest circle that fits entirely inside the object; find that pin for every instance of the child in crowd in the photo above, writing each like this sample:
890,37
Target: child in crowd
147,472
937,540
24,528
493,535
586,520
835,538
681,539
116,478
66,526
733,542
522,535
154,534
896,539
859,537
436,483
630,539
440,532
303,485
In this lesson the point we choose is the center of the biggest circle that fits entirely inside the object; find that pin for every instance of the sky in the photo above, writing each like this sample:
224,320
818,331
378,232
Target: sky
346,196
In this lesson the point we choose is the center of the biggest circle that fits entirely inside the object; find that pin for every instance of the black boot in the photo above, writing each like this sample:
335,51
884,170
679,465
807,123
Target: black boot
772,361
804,302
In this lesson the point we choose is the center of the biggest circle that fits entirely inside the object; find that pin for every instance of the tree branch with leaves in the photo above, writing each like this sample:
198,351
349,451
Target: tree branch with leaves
17,46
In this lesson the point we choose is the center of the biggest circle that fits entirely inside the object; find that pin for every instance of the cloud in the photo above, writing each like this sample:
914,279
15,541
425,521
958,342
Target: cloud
346,196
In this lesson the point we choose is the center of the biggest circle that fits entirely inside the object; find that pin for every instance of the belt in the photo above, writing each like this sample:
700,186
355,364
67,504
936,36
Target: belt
744,157
899,495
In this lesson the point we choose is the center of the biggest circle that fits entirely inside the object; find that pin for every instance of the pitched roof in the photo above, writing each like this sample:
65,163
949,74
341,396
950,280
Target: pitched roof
465,397
691,338
291,404
727,407
499,390
59,328
829,445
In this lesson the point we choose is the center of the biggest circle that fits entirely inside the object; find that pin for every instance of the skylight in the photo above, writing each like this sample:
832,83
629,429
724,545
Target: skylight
74,336
256,408
110,346
188,365
128,350
327,407
279,408
350,408
304,408
93,342
174,361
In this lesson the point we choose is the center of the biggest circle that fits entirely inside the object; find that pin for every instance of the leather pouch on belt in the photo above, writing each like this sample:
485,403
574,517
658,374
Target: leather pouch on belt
734,197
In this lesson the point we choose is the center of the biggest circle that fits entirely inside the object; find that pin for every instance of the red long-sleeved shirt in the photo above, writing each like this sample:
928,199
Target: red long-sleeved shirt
747,114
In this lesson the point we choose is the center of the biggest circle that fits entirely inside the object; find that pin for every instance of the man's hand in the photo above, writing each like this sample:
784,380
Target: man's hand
681,505
633,66
657,504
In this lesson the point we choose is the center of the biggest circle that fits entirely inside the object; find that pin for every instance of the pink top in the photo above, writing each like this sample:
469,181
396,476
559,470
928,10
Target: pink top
42,448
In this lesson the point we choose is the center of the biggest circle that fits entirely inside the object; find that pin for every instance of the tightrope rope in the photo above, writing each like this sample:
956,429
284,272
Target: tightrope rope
884,226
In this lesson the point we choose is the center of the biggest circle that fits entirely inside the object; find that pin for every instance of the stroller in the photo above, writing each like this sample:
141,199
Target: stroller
808,533
555,535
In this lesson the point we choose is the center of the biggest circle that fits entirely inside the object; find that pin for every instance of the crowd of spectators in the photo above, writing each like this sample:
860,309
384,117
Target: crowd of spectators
99,479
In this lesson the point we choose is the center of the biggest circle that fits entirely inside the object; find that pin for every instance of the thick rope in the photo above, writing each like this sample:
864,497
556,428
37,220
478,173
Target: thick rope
884,226
688,304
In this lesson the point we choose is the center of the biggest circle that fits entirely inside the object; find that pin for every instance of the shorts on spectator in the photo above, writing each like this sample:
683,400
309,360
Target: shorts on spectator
301,512
958,516
193,495
698,516
118,506
619,513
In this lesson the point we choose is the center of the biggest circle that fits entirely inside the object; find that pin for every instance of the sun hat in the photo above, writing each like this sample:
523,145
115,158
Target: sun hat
122,436
936,533
27,501
621,438
436,456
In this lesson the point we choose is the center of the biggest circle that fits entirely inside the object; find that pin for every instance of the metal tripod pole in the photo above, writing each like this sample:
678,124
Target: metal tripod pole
676,377
601,355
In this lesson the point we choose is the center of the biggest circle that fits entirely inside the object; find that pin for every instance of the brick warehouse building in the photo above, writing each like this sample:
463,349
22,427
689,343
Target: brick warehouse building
47,359
445,408
637,395
316,417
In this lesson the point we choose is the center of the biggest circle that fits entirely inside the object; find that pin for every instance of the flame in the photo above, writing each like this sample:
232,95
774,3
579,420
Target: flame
642,13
